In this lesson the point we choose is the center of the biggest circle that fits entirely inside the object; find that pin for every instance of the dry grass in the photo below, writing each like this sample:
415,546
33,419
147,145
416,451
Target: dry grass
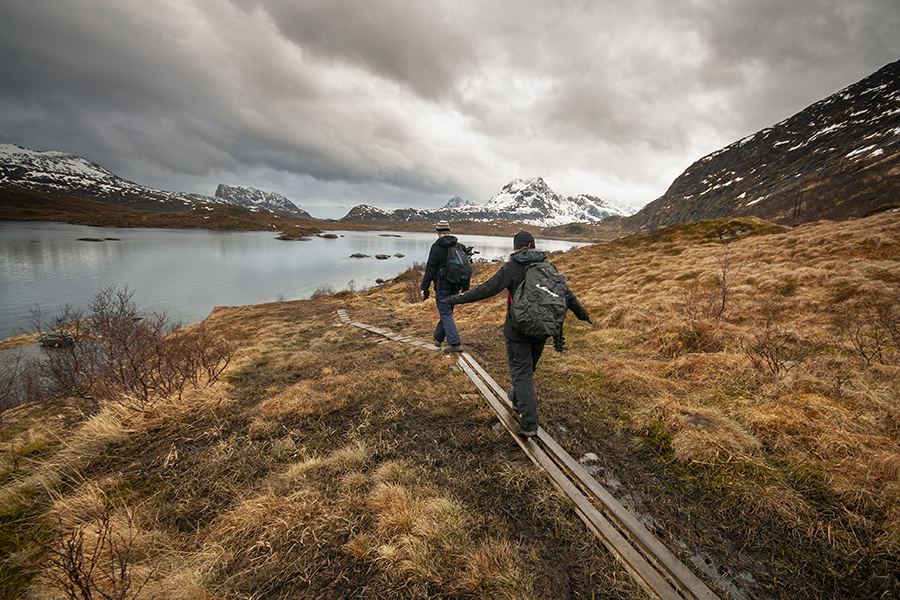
699,433
742,398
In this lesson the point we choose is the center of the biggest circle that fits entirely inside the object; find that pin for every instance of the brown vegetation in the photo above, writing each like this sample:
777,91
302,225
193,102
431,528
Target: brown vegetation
739,387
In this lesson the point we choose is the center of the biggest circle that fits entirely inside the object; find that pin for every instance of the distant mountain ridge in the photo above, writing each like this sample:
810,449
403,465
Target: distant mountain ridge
839,158
64,173
459,202
530,202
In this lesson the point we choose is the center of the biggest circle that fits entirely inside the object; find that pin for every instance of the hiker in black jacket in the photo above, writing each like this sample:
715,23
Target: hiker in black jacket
443,289
522,351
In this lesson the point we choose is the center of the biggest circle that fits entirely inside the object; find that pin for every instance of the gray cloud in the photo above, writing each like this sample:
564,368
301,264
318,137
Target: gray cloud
396,103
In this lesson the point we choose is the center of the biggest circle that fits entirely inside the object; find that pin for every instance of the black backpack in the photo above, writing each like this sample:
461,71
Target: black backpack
458,267
539,303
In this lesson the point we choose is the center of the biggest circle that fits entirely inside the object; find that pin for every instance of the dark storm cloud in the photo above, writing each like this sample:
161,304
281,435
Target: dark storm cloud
786,55
399,103
419,45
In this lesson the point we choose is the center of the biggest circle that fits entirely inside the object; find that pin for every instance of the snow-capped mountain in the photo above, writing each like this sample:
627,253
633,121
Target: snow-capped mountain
255,199
531,202
64,173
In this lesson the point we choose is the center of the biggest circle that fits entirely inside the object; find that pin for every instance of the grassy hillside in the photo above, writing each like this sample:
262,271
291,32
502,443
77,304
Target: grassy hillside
739,388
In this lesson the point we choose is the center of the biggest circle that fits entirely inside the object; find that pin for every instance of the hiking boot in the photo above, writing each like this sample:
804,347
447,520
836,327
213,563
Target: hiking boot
435,341
456,348
525,433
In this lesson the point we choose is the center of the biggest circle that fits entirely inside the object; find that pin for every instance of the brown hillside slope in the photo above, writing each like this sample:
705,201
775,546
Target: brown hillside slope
739,388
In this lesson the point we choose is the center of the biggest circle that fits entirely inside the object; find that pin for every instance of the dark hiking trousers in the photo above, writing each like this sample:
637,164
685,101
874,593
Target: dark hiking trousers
523,358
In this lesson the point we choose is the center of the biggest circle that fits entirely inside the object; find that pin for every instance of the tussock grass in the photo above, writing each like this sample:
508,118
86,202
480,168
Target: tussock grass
698,433
740,395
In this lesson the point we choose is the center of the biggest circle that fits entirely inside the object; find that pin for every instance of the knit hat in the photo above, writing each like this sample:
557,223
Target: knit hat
443,226
523,239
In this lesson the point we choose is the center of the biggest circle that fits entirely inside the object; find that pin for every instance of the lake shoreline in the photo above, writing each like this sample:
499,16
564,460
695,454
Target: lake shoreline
187,272
581,232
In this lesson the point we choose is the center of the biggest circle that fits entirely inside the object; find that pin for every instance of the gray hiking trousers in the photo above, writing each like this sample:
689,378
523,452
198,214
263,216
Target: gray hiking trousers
523,358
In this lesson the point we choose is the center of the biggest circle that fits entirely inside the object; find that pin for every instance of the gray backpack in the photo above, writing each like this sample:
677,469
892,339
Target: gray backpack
539,303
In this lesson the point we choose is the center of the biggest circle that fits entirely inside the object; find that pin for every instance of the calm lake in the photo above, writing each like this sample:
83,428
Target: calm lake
189,272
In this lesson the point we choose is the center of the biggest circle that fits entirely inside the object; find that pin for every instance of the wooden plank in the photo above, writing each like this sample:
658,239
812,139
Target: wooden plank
641,570
674,569
676,572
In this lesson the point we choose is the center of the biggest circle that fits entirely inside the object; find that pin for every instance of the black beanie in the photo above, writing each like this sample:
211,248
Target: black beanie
443,227
523,239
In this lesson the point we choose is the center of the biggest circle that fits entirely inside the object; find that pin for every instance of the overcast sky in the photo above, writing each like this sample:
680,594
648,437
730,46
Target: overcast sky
407,103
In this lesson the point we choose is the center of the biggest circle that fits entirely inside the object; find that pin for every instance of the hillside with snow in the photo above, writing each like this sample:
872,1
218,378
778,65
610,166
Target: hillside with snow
63,173
67,174
836,159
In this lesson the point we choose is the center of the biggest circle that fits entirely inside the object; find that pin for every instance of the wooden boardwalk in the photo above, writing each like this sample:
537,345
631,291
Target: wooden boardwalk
648,561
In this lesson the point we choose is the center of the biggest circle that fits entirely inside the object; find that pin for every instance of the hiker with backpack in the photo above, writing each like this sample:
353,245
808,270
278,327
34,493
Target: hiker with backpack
450,268
537,302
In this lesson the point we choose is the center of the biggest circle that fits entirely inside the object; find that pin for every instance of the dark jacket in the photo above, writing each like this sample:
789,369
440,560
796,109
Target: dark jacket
509,277
437,256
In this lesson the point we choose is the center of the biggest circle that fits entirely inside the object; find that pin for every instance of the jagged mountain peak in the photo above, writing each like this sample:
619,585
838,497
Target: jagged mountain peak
518,185
528,201
256,199
459,202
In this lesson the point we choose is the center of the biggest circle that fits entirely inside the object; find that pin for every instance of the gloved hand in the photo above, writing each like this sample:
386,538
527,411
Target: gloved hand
559,342
425,294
